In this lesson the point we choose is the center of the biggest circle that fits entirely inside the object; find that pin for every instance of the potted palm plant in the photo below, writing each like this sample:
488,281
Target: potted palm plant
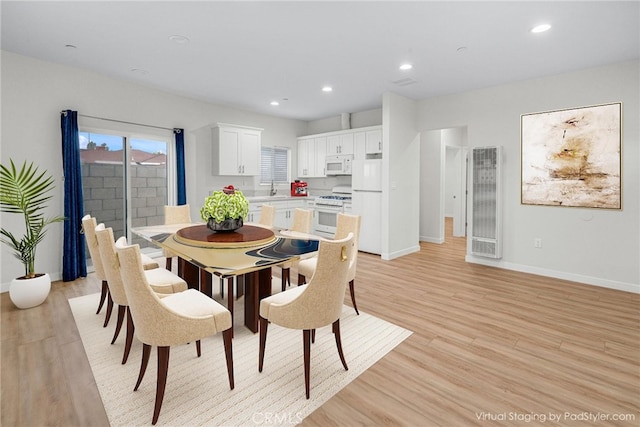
25,191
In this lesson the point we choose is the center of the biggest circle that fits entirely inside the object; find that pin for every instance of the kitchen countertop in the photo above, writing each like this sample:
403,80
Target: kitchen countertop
276,198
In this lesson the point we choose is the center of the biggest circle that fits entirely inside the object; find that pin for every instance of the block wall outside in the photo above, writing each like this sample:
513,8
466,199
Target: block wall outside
103,192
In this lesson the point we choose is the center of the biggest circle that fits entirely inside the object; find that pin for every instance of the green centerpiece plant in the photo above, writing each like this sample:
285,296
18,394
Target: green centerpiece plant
225,209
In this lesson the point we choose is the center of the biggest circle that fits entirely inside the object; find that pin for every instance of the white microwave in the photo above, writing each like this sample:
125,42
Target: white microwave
338,165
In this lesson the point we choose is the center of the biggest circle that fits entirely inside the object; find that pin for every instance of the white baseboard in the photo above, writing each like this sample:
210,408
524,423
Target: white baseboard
588,280
397,254
437,240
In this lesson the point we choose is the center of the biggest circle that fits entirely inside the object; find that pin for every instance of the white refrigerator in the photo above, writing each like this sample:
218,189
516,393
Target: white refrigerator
366,183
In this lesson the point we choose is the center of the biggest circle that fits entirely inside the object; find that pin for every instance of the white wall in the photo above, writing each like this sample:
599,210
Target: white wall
33,94
358,120
600,247
432,176
400,177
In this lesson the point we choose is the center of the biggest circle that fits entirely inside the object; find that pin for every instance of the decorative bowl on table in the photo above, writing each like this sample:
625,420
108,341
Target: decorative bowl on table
225,210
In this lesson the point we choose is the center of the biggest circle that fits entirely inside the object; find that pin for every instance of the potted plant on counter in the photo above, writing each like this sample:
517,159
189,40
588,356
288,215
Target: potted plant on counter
25,191
225,210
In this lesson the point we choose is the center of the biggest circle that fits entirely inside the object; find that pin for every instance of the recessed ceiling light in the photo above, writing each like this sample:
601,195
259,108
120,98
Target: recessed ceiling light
176,38
327,89
70,46
540,28
275,103
139,71
406,66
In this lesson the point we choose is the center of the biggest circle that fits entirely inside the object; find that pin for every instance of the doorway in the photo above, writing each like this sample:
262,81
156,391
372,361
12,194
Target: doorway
124,182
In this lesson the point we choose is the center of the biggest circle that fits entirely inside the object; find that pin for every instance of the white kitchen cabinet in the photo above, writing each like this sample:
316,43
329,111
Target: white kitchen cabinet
236,150
255,210
284,212
374,141
306,160
311,156
320,146
367,142
340,144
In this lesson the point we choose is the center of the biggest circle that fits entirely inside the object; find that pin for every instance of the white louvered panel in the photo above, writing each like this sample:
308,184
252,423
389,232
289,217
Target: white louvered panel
486,222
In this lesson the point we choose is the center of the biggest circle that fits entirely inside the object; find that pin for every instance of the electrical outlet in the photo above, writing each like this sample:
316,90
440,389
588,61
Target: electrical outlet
537,242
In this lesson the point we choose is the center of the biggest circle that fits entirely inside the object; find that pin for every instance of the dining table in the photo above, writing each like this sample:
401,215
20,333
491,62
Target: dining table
246,255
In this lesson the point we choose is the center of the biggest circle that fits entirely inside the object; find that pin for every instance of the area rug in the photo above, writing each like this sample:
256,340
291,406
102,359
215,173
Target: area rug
198,393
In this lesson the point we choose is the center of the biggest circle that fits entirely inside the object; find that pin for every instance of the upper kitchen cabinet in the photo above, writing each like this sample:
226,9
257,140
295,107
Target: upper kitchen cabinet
311,154
236,150
368,143
340,144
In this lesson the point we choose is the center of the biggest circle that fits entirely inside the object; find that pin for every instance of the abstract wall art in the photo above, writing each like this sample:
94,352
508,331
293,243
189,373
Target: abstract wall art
572,157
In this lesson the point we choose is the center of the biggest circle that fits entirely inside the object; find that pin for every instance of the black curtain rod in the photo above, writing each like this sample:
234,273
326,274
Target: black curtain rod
122,121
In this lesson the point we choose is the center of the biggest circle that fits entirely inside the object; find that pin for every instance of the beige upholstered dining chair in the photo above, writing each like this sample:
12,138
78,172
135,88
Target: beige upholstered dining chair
302,221
345,224
314,305
89,224
164,282
267,215
176,319
180,214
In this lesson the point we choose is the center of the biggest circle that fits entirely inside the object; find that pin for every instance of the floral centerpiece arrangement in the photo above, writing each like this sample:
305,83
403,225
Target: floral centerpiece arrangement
225,210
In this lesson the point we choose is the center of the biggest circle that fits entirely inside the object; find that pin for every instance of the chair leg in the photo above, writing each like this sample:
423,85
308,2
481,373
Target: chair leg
301,279
168,262
313,336
103,295
198,348
109,310
353,296
286,280
306,338
129,339
146,352
121,311
262,323
163,368
228,351
336,333
221,288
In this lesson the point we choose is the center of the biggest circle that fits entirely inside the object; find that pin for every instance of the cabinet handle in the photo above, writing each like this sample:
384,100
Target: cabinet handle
239,169
380,145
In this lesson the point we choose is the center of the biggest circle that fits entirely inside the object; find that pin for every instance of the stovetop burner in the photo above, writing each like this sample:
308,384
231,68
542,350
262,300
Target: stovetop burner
335,197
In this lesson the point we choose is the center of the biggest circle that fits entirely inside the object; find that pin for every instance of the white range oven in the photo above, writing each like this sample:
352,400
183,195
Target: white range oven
327,209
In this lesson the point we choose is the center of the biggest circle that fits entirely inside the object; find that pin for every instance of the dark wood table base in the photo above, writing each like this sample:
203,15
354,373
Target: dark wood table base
256,285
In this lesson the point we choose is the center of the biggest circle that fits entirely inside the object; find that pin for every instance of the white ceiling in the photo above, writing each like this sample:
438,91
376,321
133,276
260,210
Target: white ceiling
247,54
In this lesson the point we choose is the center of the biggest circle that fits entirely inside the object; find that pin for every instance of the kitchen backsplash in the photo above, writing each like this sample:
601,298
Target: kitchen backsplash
251,188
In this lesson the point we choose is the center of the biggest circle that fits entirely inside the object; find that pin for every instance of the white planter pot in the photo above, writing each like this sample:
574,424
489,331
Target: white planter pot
27,293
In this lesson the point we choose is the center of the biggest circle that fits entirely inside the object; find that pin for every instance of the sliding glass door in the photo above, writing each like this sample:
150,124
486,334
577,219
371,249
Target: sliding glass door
124,182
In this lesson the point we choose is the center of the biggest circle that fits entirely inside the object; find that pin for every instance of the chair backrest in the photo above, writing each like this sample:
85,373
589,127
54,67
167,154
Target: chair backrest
110,263
89,228
302,219
321,302
267,215
155,323
346,224
177,214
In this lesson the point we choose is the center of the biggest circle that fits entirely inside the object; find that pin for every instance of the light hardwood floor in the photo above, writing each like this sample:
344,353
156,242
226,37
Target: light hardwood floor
489,347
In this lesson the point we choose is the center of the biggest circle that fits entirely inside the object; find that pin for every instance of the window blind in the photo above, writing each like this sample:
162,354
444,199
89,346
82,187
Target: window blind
274,165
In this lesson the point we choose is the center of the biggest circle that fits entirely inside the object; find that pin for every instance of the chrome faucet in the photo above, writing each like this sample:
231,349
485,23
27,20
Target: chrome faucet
273,190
